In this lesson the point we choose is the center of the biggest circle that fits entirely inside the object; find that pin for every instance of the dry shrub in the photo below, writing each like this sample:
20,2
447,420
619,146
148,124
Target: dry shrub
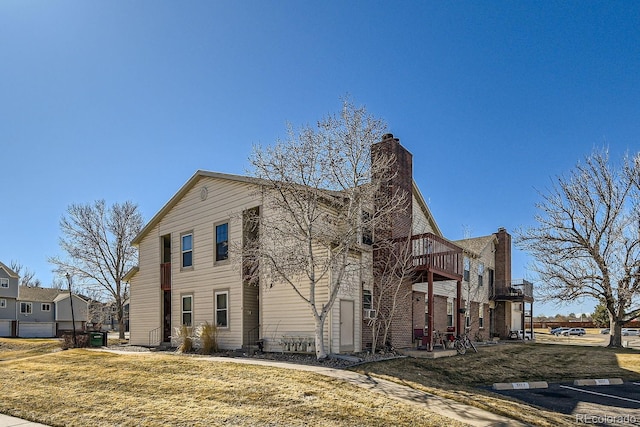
208,335
185,338
82,340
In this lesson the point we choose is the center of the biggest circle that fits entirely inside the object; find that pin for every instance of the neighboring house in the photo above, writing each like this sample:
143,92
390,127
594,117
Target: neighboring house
46,312
185,274
102,315
9,281
491,308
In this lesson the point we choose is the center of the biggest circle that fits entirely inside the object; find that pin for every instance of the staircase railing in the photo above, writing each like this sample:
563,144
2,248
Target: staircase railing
253,336
155,337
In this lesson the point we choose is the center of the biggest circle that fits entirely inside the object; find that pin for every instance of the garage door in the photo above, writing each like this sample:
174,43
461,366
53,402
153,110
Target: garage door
37,329
5,328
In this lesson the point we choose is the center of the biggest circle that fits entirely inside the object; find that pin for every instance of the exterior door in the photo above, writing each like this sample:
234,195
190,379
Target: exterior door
346,326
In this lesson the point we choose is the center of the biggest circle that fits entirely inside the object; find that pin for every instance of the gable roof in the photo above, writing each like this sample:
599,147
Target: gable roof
29,293
247,180
183,190
9,271
475,245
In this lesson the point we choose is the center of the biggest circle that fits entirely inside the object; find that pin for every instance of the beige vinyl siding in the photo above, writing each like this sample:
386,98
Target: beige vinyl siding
444,288
420,223
283,312
350,290
225,200
145,308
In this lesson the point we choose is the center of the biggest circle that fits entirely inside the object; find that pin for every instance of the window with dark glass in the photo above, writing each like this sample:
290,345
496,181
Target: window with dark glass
222,309
467,267
187,310
187,250
367,232
367,300
222,242
480,274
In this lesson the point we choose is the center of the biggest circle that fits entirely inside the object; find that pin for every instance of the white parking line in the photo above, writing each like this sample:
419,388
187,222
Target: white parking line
600,394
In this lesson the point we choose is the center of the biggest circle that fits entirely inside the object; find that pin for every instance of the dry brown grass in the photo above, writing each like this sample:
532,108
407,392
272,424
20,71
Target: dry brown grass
80,387
18,348
466,378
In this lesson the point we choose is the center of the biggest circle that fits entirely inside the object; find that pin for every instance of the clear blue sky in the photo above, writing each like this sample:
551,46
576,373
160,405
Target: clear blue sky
125,100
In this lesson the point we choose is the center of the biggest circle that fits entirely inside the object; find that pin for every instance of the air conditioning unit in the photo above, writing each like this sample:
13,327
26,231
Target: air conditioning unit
369,313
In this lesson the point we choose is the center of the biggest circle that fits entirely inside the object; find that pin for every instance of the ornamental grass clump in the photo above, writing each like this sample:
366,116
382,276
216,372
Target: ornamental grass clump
185,339
208,335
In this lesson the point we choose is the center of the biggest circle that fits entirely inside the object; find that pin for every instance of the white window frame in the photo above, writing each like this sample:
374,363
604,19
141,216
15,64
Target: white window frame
183,311
3,303
4,282
183,251
24,309
225,309
367,295
450,316
466,270
481,315
480,273
45,306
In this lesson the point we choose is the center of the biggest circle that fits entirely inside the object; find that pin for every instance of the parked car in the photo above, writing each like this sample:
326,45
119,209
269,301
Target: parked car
630,332
518,335
574,331
558,331
605,331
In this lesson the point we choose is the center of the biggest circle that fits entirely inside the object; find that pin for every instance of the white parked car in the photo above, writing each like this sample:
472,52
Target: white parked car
574,331
630,332
527,335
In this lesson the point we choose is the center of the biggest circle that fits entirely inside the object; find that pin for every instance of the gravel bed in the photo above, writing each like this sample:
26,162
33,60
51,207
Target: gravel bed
333,361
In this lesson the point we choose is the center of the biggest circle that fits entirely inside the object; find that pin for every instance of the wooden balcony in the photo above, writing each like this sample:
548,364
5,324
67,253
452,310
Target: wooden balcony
514,290
437,255
165,276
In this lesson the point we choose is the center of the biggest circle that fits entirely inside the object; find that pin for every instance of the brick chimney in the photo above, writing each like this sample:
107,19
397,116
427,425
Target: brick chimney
503,258
401,173
398,179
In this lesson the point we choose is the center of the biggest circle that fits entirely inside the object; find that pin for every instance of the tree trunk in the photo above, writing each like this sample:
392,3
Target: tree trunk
615,339
321,352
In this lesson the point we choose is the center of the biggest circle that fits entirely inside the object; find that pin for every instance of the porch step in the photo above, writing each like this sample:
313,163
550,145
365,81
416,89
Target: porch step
250,350
163,346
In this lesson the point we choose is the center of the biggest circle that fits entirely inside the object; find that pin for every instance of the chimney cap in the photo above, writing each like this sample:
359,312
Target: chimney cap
388,136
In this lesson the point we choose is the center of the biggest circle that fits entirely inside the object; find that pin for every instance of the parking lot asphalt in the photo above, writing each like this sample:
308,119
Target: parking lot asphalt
604,405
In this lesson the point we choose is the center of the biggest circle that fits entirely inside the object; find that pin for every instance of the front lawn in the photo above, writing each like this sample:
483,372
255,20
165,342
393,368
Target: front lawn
82,387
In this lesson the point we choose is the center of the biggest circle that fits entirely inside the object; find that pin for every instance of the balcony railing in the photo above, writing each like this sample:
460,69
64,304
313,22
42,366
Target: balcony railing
434,253
513,290
165,276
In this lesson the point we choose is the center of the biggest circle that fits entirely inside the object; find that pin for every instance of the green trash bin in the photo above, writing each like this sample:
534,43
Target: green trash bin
96,339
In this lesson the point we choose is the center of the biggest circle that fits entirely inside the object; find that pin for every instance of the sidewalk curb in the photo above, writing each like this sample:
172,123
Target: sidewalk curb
599,381
520,386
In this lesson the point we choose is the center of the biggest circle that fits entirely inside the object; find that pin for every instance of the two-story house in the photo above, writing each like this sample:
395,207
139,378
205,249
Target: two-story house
186,275
9,282
46,312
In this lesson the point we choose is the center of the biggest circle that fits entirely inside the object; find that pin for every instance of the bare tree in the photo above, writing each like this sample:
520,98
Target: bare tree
27,277
392,268
587,241
97,244
319,195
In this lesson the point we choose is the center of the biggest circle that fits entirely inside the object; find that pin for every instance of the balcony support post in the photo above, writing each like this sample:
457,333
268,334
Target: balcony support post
430,309
459,307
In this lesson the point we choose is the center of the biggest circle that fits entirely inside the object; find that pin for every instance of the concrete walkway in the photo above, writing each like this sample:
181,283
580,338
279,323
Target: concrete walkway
446,407
7,421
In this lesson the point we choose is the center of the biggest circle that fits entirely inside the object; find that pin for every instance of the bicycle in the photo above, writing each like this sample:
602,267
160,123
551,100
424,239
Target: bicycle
462,343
